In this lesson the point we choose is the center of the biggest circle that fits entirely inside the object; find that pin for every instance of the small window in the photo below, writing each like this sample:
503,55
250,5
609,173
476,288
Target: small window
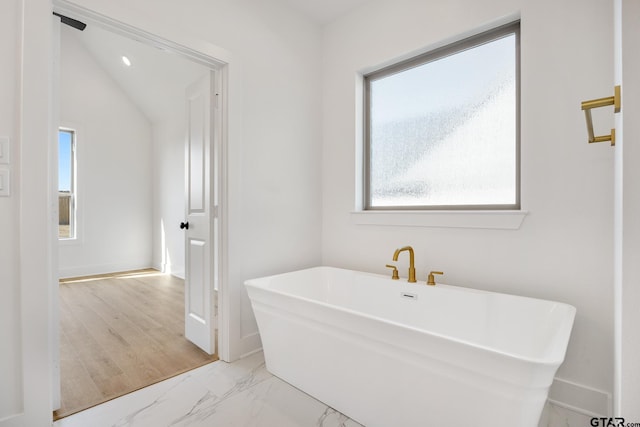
66,184
442,129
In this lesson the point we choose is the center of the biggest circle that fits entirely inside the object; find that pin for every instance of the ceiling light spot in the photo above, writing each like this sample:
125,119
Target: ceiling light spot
126,61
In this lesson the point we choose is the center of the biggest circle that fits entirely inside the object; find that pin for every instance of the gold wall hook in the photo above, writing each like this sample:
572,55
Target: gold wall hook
587,106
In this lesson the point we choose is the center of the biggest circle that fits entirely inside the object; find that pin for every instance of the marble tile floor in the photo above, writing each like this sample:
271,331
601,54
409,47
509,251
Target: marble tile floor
239,394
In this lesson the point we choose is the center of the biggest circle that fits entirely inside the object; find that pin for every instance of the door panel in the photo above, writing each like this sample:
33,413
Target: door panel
196,301
197,151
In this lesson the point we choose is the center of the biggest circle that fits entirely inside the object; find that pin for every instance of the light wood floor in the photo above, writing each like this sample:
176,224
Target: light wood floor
119,333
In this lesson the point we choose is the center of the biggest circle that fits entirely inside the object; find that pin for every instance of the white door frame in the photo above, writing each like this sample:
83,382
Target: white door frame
53,184
626,391
213,58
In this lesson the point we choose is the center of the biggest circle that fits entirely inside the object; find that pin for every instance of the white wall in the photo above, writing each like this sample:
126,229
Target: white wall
168,201
10,363
114,168
563,250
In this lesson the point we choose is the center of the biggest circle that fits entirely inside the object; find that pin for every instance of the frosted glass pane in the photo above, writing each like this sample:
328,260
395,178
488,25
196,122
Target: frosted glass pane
444,133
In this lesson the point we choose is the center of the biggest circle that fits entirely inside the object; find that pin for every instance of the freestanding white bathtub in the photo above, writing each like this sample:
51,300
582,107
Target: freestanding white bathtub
390,353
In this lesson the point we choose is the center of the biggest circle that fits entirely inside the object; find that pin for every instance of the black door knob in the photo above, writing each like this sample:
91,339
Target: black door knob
184,225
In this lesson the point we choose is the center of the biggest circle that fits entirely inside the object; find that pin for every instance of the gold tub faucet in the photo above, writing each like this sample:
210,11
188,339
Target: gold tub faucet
412,269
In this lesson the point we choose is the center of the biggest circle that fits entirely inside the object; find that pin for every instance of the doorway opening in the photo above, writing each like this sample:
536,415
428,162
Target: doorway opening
129,266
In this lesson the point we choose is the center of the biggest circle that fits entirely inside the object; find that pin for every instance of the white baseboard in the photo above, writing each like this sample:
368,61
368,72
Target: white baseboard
579,398
12,421
250,344
177,271
91,270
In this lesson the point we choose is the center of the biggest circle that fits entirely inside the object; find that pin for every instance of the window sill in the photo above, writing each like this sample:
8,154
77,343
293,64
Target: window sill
68,242
504,220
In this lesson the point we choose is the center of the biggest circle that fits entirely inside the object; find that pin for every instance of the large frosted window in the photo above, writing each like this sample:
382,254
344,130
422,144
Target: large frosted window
442,129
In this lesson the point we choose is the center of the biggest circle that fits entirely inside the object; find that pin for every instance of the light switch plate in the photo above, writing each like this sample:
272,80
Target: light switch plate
5,157
4,183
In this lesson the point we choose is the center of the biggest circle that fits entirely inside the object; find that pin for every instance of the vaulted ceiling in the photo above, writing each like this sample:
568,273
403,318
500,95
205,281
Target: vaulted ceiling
156,78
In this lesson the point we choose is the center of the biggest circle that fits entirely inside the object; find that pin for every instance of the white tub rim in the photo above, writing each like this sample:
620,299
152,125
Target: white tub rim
551,361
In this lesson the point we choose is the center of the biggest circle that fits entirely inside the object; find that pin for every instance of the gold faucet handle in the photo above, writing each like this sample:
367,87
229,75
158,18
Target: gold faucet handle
431,280
394,274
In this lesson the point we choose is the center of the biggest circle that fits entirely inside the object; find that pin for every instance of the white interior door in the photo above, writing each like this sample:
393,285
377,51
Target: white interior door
200,304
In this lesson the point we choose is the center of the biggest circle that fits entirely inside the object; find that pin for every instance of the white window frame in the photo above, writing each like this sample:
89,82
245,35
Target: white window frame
474,216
